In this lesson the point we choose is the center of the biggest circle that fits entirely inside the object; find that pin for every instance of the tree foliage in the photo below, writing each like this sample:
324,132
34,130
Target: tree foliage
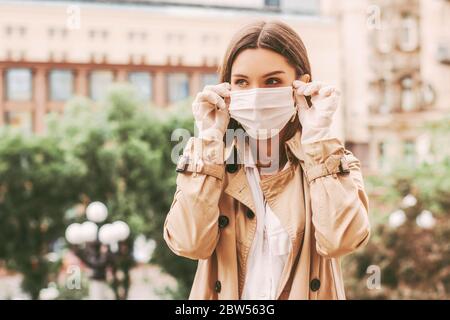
118,152
413,261
37,179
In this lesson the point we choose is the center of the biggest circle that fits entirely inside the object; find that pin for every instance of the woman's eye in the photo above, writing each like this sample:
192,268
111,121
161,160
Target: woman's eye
240,82
273,81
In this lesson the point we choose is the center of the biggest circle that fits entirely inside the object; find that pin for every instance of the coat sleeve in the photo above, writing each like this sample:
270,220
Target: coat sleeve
191,225
338,200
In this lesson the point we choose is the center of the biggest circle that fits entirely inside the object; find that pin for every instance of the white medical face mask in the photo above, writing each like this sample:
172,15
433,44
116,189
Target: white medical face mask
262,112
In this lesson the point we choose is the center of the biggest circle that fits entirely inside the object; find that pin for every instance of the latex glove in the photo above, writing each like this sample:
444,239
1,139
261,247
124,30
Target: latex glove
315,120
211,112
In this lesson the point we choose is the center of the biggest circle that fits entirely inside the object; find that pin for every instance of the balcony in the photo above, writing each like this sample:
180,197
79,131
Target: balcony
443,53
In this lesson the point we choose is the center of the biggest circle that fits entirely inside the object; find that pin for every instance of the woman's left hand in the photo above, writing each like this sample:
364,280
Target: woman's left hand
315,120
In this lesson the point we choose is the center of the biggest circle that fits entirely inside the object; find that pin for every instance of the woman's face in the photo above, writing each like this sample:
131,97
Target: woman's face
261,68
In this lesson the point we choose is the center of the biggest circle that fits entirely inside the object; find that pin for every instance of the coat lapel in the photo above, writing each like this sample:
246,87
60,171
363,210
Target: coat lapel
239,189
282,193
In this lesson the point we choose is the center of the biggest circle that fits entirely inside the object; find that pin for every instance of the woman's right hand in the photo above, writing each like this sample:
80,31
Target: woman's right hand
210,110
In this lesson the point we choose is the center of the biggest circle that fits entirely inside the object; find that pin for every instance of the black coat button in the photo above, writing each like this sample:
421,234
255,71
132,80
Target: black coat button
218,286
223,221
231,167
315,284
250,214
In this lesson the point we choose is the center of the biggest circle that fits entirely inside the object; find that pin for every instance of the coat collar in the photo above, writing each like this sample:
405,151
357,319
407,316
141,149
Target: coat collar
238,186
239,189
293,145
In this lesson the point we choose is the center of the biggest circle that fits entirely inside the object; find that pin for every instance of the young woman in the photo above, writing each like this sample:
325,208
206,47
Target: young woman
273,224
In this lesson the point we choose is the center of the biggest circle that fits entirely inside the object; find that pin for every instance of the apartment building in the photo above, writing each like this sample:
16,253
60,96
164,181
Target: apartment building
51,51
395,65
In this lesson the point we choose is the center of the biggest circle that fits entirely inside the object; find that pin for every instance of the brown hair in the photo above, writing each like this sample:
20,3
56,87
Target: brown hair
273,35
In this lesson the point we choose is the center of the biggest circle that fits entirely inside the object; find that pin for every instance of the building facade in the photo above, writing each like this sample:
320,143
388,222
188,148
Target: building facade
51,51
406,80
396,62
389,58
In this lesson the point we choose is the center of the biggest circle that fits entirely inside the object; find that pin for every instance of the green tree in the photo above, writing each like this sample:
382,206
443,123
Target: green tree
38,182
413,259
118,152
126,148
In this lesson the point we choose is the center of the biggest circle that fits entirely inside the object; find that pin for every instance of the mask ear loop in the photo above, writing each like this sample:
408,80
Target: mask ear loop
295,113
293,117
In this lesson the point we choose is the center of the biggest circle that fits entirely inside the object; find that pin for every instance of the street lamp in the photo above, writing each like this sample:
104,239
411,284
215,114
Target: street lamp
424,220
97,244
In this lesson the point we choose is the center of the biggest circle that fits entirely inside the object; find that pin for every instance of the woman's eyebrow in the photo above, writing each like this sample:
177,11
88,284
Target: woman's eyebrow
264,76
273,73
239,75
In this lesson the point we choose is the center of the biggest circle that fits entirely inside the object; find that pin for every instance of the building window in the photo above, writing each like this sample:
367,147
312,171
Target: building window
22,31
409,153
99,83
175,37
55,32
382,156
19,85
409,33
8,30
384,38
272,3
138,35
408,101
428,95
20,120
61,85
142,81
177,86
210,79
386,97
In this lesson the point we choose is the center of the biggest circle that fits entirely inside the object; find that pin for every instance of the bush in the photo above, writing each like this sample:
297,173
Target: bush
412,255
36,186
117,152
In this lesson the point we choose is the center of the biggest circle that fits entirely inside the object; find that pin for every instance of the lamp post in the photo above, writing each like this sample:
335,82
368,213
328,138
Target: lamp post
424,219
96,243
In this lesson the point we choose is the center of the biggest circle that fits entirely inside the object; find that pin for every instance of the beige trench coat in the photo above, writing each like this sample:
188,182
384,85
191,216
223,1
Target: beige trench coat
320,201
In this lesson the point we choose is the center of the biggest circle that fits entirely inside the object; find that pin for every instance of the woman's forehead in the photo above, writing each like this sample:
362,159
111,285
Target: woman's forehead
259,62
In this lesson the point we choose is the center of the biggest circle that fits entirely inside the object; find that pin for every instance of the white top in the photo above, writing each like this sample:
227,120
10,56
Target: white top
270,247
